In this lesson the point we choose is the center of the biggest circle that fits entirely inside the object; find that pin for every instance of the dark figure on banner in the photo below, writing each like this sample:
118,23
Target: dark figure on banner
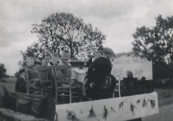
130,86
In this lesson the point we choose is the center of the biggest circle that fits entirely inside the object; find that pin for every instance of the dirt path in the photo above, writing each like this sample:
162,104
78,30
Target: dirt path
165,114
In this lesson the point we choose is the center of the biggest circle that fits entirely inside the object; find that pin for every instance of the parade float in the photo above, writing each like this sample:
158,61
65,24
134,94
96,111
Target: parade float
118,108
67,106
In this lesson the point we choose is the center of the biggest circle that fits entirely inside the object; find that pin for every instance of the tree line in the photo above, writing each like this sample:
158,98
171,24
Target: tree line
64,30
156,44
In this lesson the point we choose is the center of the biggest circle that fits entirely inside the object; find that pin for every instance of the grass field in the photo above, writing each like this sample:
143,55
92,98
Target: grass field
9,84
165,95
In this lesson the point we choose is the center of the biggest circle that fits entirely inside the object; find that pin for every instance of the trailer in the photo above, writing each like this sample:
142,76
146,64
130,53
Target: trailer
111,109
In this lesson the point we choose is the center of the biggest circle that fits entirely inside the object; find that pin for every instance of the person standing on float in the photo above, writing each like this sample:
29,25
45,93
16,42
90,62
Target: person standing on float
98,72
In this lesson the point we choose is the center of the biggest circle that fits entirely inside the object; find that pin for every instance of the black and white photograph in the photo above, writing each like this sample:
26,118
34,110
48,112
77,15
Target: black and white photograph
86,60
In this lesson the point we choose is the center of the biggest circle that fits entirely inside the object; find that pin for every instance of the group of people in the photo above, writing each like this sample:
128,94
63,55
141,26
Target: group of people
32,68
99,70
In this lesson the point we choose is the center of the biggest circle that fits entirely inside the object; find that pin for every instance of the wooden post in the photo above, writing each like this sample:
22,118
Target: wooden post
27,79
119,87
70,91
55,84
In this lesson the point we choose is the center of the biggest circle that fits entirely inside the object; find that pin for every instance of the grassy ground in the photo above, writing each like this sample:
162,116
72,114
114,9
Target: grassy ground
9,84
165,95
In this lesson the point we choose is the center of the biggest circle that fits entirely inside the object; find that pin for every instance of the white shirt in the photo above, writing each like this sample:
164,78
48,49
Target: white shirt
23,77
93,59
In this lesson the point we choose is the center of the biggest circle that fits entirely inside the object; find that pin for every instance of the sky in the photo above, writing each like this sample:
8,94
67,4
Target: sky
117,19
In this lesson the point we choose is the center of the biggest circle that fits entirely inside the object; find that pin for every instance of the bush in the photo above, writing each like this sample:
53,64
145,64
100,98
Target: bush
163,83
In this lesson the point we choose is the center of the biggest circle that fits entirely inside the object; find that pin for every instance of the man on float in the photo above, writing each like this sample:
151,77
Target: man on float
20,85
96,53
98,72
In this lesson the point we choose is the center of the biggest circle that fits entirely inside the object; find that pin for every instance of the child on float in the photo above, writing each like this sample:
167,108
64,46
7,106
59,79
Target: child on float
32,67
46,60
65,57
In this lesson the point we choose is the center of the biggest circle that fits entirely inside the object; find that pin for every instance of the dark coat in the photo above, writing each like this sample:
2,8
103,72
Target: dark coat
129,86
89,62
99,70
21,85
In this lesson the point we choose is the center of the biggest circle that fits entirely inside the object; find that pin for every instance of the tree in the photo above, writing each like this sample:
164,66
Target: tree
2,71
156,43
65,30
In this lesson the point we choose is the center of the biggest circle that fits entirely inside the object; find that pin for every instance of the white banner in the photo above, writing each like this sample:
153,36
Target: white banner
114,109
140,67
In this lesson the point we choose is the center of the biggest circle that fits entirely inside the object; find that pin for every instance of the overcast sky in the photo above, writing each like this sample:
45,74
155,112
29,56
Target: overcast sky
117,19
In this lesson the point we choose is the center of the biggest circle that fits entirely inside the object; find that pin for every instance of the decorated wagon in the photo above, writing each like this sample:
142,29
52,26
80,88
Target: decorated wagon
59,94
119,107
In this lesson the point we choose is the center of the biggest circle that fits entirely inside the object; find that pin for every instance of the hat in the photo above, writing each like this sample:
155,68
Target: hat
108,51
